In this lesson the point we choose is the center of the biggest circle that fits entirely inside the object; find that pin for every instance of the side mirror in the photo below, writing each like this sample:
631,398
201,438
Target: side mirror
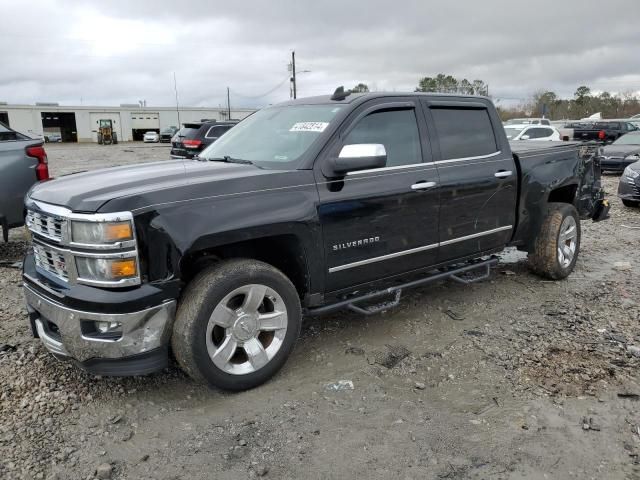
525,137
360,156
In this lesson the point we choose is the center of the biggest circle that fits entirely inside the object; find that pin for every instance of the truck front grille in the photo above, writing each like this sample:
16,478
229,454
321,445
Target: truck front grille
51,260
49,226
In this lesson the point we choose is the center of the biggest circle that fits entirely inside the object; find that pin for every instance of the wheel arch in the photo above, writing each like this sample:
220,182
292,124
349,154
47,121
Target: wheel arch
564,194
285,251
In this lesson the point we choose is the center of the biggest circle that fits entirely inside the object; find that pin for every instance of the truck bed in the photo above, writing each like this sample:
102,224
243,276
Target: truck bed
569,169
525,148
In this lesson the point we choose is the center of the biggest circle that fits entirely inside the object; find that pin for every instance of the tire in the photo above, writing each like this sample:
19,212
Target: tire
630,203
549,258
197,339
99,139
115,139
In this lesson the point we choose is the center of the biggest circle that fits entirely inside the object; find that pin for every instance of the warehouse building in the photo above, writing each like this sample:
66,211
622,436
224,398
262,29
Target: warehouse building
80,123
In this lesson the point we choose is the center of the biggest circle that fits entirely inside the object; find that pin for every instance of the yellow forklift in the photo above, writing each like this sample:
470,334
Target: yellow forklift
106,133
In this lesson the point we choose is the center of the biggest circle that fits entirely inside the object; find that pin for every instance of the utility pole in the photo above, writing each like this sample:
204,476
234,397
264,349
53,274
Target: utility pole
175,87
228,105
293,72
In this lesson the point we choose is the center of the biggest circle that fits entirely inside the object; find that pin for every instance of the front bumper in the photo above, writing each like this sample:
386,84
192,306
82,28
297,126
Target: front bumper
142,347
629,191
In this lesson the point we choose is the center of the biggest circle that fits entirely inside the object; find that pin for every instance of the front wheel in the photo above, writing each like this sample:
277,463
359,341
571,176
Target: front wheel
236,324
557,244
630,203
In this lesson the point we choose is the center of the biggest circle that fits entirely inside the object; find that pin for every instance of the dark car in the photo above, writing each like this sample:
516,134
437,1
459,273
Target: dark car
621,153
167,134
305,207
629,186
194,137
603,131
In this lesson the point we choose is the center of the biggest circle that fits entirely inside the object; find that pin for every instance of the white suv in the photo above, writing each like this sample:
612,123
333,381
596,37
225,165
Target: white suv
532,132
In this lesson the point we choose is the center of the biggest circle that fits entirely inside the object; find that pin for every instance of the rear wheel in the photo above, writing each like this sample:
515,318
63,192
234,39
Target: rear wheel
236,324
100,141
630,203
115,139
557,244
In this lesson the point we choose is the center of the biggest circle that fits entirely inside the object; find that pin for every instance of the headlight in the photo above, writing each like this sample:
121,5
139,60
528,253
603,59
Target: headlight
112,270
634,158
631,173
101,233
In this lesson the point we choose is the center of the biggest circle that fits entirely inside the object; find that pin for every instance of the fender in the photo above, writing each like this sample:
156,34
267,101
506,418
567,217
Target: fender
177,232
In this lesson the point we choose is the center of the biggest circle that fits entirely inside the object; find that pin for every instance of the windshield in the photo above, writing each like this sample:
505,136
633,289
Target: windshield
275,137
512,132
628,139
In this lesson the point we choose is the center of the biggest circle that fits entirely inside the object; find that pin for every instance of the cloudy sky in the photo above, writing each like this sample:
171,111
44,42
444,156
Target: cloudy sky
122,51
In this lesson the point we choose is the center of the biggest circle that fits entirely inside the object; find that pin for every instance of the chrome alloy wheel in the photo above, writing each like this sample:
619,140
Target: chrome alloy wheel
567,241
246,329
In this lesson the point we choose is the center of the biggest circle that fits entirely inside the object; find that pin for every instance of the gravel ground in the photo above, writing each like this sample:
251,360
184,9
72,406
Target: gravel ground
511,378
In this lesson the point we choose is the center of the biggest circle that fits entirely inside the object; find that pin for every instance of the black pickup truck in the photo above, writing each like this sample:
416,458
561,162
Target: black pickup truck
605,131
303,208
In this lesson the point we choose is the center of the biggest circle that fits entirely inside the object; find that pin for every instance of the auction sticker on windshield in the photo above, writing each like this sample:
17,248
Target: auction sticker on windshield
309,127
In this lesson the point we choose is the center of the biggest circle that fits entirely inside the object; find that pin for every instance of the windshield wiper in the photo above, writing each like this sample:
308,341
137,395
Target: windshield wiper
228,159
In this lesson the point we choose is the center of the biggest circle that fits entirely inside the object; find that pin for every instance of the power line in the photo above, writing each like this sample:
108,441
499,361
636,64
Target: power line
253,97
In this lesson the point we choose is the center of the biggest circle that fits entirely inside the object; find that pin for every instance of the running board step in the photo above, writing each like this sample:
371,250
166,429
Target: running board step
463,274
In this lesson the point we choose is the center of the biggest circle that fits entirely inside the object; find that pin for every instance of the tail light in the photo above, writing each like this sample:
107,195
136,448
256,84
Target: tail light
602,134
42,169
191,143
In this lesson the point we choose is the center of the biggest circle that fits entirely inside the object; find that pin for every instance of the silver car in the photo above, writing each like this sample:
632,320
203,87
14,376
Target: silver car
151,137
23,162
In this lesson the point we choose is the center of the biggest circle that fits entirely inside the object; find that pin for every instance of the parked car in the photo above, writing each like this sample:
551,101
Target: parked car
167,134
629,185
52,137
194,137
603,131
151,137
528,121
23,162
621,153
532,132
305,207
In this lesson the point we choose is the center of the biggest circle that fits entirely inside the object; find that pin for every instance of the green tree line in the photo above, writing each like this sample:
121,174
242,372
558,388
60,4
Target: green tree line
543,102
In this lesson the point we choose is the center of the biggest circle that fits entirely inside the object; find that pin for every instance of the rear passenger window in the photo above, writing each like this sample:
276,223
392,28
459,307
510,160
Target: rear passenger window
215,132
464,132
538,132
397,130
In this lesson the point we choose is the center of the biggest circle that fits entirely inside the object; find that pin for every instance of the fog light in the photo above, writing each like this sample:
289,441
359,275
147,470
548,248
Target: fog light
107,327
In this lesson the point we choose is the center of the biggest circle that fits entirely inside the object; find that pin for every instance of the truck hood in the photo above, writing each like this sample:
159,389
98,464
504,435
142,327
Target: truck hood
620,150
137,186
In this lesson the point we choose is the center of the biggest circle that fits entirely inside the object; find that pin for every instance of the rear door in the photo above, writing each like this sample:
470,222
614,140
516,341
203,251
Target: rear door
384,221
213,133
478,177
540,133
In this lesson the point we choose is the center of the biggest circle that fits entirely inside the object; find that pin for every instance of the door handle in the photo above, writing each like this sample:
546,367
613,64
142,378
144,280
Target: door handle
503,174
423,185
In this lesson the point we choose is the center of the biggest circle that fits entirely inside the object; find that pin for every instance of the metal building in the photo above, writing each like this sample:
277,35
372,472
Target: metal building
80,123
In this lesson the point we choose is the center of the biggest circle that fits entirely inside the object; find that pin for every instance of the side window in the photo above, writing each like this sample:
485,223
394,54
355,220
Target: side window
538,132
545,122
397,130
464,132
215,132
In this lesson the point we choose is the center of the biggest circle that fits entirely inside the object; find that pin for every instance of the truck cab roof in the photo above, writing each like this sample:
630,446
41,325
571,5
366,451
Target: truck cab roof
361,97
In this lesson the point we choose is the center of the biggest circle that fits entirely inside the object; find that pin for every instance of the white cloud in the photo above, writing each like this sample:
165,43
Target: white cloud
126,50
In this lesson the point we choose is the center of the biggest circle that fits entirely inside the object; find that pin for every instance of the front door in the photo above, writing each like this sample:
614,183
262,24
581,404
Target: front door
478,177
380,222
